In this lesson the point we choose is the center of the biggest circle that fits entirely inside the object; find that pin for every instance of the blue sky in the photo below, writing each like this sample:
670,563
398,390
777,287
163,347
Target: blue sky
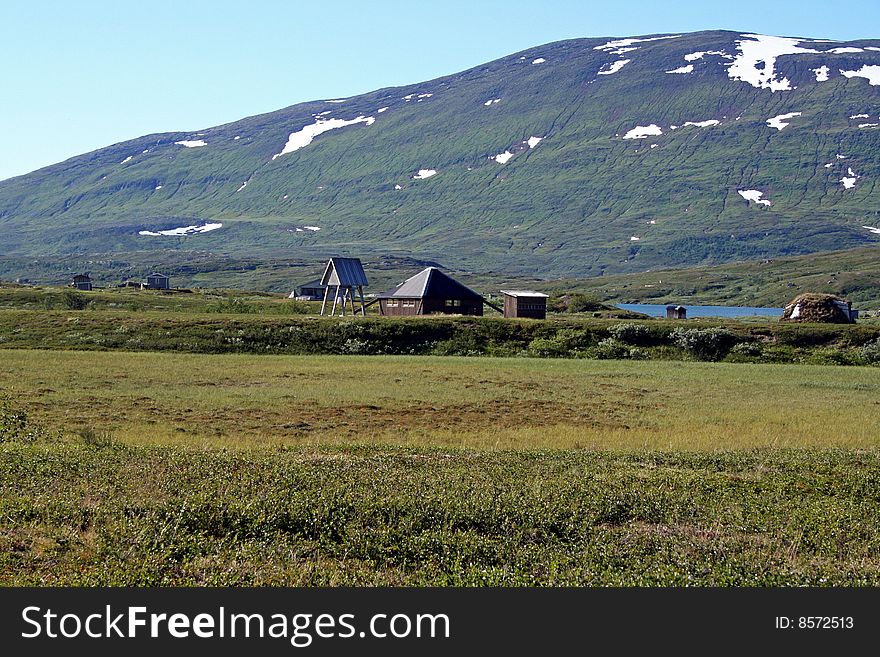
81,75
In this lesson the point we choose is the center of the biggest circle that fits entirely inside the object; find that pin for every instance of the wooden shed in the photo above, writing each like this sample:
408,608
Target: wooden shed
157,281
428,292
311,291
676,312
525,303
82,282
344,275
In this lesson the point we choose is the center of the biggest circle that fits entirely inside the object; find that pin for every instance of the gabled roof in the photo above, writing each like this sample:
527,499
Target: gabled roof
314,283
431,283
156,275
345,272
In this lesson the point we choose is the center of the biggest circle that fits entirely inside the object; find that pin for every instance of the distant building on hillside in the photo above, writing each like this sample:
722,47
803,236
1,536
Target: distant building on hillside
430,291
311,291
525,303
82,282
156,281
676,312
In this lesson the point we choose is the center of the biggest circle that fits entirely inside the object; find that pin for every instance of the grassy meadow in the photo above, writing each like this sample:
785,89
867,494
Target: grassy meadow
159,468
236,401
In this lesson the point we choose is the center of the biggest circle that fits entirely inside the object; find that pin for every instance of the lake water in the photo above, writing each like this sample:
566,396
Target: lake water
658,310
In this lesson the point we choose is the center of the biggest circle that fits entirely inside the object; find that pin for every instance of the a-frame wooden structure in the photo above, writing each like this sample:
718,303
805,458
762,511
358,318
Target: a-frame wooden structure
344,275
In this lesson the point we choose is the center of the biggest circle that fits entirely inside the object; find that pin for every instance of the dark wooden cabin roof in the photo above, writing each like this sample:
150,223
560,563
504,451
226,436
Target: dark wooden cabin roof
431,283
346,272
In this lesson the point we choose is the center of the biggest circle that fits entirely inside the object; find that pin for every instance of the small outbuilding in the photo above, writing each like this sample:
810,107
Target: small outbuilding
157,281
82,282
525,303
676,312
311,291
429,292
345,275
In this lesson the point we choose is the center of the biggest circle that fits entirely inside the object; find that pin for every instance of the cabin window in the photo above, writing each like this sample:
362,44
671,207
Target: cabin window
453,303
392,303
409,303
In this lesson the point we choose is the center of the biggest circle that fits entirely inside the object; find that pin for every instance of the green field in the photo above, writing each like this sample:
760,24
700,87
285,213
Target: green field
122,468
479,403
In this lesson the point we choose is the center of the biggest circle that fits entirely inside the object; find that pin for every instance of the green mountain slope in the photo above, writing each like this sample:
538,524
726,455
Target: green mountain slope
534,170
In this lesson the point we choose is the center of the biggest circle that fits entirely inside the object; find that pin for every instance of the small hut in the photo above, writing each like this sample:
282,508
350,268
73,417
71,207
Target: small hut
346,275
157,281
430,291
311,291
525,303
821,308
82,282
676,312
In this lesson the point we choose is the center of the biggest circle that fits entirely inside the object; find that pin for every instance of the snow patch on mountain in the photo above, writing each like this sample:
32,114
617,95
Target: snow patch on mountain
424,173
684,69
620,44
491,102
870,72
502,158
694,56
614,67
754,195
191,143
756,61
872,229
540,60
533,141
704,124
182,230
849,180
642,131
781,121
822,73
128,159
303,137
845,51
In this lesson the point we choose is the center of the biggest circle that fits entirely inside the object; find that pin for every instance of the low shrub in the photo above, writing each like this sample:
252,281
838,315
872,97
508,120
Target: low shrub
870,353
704,344
629,333
72,300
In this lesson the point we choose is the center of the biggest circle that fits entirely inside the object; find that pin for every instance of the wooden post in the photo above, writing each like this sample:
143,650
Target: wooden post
351,299
335,300
326,293
363,307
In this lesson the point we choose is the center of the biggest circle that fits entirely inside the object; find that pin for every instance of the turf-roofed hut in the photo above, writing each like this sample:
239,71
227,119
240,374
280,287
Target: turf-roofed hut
428,292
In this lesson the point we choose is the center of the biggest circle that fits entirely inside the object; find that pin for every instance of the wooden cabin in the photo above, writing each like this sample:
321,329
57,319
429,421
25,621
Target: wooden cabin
156,281
311,291
82,282
429,292
525,303
676,312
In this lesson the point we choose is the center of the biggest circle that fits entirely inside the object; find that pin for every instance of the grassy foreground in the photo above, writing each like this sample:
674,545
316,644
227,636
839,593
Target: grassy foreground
184,469
73,515
480,403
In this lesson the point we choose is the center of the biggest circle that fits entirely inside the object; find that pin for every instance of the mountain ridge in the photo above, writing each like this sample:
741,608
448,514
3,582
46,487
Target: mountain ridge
538,169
